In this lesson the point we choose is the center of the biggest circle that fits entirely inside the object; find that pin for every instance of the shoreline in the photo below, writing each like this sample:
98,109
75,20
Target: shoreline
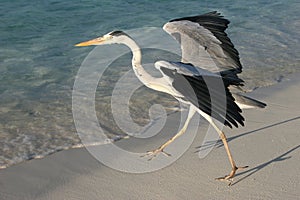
269,144
120,137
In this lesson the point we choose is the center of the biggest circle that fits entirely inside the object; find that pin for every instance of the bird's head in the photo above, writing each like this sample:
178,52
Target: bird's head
113,37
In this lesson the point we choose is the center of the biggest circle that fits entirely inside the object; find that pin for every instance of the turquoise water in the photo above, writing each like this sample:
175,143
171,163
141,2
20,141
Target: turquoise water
38,60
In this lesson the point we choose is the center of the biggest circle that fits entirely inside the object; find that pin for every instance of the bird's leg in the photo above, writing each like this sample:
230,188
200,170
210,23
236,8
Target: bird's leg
233,165
155,152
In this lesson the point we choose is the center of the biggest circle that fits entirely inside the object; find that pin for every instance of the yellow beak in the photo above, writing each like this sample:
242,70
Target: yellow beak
95,41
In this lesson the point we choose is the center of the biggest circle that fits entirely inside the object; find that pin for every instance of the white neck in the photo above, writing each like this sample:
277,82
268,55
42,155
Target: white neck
158,84
136,61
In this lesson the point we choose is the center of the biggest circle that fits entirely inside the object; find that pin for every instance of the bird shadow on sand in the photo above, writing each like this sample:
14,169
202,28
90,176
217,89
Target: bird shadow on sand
219,143
253,170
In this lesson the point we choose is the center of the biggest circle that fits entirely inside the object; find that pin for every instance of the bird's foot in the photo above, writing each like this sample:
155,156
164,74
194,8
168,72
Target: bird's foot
152,154
229,178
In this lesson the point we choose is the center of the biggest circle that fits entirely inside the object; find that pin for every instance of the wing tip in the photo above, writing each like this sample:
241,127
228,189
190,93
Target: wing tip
214,14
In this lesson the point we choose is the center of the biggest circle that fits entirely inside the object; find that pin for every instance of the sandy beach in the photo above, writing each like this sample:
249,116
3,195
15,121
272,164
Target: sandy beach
269,143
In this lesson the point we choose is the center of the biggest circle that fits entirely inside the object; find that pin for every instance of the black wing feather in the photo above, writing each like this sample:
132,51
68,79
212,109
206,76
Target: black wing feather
195,90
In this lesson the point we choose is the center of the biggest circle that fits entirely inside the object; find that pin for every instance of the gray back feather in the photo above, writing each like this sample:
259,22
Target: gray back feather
184,68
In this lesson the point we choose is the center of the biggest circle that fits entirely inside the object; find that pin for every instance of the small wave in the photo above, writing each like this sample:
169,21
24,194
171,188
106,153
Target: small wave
58,149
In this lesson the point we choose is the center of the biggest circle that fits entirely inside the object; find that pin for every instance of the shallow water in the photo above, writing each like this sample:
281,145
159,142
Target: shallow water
38,62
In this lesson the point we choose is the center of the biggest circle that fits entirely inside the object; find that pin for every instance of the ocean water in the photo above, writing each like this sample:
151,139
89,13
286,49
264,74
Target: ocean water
39,63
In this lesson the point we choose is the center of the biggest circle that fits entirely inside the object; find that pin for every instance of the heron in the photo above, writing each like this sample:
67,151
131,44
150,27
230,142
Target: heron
208,56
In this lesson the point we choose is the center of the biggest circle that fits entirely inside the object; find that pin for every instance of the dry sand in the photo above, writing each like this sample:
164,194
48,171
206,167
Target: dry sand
269,144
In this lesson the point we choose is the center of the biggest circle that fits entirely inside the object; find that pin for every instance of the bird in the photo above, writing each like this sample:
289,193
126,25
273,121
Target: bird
206,79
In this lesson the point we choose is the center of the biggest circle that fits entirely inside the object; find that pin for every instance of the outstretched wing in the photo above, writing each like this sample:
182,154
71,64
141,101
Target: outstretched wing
204,42
206,90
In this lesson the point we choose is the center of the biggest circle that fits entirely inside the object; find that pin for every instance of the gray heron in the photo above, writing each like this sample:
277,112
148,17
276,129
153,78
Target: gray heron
208,56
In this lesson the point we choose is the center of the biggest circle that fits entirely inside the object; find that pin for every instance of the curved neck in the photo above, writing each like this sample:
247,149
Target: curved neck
136,61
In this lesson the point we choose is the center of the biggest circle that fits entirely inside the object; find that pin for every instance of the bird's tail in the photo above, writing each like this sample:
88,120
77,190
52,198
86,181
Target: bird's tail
247,102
